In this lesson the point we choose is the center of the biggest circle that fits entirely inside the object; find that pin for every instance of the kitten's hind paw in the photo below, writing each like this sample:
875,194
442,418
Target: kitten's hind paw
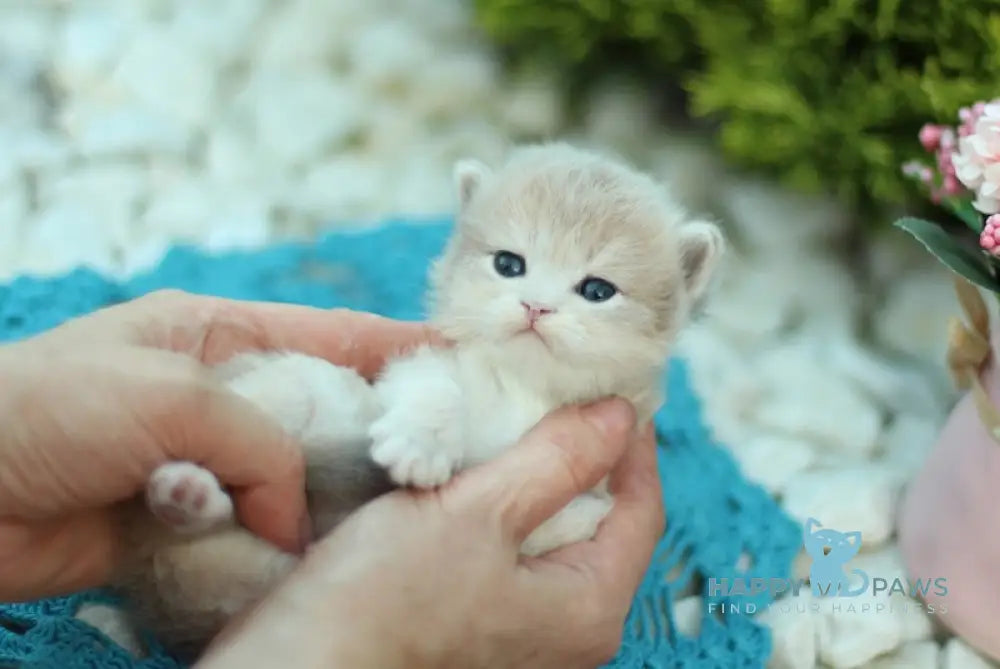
187,497
577,521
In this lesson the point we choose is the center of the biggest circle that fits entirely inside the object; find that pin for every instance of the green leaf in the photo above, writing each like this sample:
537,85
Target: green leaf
963,261
964,210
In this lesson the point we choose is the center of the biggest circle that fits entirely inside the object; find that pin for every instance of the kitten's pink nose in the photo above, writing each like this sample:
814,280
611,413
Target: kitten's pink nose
536,311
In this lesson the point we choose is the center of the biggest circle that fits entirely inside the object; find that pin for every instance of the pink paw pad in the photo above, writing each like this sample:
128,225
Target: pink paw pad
187,497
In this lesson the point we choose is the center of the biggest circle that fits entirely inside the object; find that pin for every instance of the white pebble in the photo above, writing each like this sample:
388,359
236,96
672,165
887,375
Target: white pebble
751,303
298,118
690,167
914,318
13,211
771,220
688,613
29,150
181,211
532,106
793,632
619,112
88,45
111,189
918,655
714,359
167,72
851,638
809,400
773,460
473,138
853,499
294,37
388,56
422,189
223,30
68,235
896,387
132,131
231,157
393,131
344,189
27,32
958,655
455,87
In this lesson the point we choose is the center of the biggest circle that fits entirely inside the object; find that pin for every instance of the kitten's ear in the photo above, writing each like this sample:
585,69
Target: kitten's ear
468,176
701,245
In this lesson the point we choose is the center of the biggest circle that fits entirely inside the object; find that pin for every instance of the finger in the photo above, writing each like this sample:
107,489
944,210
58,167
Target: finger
356,339
250,454
214,329
623,546
567,453
56,557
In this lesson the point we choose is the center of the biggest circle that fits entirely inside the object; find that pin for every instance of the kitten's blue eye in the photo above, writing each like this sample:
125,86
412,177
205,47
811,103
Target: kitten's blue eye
594,289
509,264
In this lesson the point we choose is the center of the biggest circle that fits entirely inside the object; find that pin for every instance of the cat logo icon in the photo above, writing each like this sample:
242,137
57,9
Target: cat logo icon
830,551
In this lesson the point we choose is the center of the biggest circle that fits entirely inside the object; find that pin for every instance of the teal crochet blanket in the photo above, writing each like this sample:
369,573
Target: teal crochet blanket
719,524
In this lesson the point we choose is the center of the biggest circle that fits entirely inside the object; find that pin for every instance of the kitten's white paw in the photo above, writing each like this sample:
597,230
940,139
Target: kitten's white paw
187,497
416,457
411,464
577,521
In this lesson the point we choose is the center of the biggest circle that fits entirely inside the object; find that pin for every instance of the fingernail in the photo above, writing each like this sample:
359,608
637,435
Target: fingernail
610,416
305,532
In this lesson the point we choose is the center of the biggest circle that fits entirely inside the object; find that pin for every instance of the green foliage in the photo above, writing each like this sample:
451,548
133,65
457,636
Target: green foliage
826,94
962,258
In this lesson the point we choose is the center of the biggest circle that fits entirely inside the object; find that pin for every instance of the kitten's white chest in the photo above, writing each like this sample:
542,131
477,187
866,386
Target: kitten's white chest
501,408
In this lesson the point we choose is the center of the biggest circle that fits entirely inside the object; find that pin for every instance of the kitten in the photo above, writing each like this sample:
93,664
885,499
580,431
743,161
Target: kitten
566,279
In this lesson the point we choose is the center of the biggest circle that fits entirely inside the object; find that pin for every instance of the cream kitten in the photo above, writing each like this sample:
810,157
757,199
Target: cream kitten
566,279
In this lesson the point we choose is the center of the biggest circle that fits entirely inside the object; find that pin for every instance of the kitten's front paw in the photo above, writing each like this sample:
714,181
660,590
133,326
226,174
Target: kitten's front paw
419,458
577,521
187,497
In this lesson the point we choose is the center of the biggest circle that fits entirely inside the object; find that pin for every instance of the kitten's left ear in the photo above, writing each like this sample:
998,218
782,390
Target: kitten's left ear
469,175
701,245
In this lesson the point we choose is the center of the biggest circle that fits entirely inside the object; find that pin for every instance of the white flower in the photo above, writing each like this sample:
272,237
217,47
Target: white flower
977,161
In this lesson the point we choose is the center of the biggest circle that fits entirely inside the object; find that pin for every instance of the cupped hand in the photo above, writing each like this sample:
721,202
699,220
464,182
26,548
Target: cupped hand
435,579
91,408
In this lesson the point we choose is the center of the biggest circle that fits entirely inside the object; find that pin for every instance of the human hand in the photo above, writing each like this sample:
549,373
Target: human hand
434,578
89,409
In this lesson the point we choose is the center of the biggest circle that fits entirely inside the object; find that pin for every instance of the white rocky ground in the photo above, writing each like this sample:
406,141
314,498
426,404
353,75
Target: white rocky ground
126,126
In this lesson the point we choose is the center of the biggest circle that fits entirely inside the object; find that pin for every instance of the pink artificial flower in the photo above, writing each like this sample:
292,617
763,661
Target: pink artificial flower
976,163
918,171
968,116
989,238
930,136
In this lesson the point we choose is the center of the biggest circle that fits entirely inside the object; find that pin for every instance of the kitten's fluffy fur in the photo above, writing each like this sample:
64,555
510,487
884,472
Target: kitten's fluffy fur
570,215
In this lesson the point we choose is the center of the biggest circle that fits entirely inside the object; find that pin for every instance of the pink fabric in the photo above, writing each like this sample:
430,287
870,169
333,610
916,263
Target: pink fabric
949,523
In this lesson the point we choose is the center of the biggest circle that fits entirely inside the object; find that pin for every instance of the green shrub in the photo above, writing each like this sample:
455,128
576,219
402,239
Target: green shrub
827,95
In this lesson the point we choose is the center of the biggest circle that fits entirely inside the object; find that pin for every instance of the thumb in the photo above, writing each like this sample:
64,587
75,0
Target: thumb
250,454
564,455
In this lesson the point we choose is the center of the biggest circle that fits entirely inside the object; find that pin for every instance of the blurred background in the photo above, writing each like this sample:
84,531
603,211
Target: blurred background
126,127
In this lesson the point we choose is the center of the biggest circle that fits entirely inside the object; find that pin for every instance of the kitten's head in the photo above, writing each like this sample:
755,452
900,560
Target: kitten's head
572,255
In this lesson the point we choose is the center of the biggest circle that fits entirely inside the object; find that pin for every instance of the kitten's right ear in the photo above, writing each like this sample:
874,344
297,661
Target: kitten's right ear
702,244
469,175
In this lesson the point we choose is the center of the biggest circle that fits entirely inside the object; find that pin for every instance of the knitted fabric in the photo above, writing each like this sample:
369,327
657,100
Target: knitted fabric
718,523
